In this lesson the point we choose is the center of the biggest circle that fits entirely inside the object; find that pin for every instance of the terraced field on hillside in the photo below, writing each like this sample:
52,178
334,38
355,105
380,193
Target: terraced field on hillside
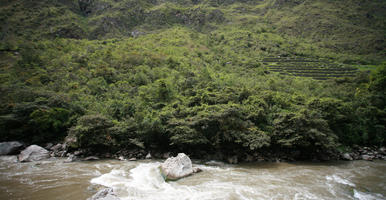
316,69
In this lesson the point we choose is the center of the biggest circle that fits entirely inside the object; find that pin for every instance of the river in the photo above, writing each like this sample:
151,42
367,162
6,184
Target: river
56,180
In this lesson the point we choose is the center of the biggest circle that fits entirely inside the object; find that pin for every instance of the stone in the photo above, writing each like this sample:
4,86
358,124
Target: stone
132,159
33,153
77,153
91,158
382,150
367,157
57,147
104,194
9,148
71,158
49,145
347,156
177,167
148,156
121,158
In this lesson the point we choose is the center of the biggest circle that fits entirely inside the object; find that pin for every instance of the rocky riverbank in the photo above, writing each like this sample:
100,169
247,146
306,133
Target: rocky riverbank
63,150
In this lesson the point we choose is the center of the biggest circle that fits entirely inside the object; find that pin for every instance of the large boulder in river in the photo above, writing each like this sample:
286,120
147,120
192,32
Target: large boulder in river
9,148
33,153
178,167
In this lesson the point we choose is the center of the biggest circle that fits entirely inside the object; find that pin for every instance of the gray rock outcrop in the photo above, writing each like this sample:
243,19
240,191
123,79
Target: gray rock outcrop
9,148
177,167
347,156
33,153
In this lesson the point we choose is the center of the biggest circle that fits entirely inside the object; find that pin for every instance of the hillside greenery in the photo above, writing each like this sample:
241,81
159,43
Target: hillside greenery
189,75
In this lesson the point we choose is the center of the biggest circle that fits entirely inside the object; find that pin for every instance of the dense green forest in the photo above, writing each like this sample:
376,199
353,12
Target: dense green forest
198,76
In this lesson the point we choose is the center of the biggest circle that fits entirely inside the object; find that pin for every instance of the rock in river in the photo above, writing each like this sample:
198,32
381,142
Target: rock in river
33,153
105,194
177,167
9,148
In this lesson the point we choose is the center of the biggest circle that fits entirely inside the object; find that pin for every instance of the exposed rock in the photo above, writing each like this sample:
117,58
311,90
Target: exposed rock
382,150
71,158
367,157
148,156
347,156
104,194
9,148
49,145
77,153
121,158
232,160
57,147
177,167
33,153
132,159
91,158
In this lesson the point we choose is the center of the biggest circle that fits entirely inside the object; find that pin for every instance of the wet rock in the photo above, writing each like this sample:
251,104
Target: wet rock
71,158
104,194
9,148
177,167
148,156
33,153
56,148
382,150
91,158
232,160
77,153
347,156
49,145
367,157
121,158
132,159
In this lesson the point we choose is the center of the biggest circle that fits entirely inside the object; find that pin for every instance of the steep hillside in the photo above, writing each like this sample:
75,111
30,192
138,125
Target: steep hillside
219,77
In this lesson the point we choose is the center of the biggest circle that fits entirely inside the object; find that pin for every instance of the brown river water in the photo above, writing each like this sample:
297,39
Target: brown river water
56,180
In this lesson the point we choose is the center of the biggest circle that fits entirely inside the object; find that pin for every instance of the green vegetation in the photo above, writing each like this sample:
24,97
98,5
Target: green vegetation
195,76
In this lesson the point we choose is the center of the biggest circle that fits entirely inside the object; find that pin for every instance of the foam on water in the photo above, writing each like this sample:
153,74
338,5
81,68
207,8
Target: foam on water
145,182
366,196
340,180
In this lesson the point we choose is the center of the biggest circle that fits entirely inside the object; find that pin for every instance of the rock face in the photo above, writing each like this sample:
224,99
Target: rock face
9,148
105,194
178,167
33,153
347,156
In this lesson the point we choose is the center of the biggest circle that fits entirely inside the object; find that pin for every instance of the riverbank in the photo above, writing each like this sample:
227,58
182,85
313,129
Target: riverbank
356,153
63,150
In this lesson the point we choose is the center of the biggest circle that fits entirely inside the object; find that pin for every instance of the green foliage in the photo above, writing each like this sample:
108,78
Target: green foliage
187,75
93,131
